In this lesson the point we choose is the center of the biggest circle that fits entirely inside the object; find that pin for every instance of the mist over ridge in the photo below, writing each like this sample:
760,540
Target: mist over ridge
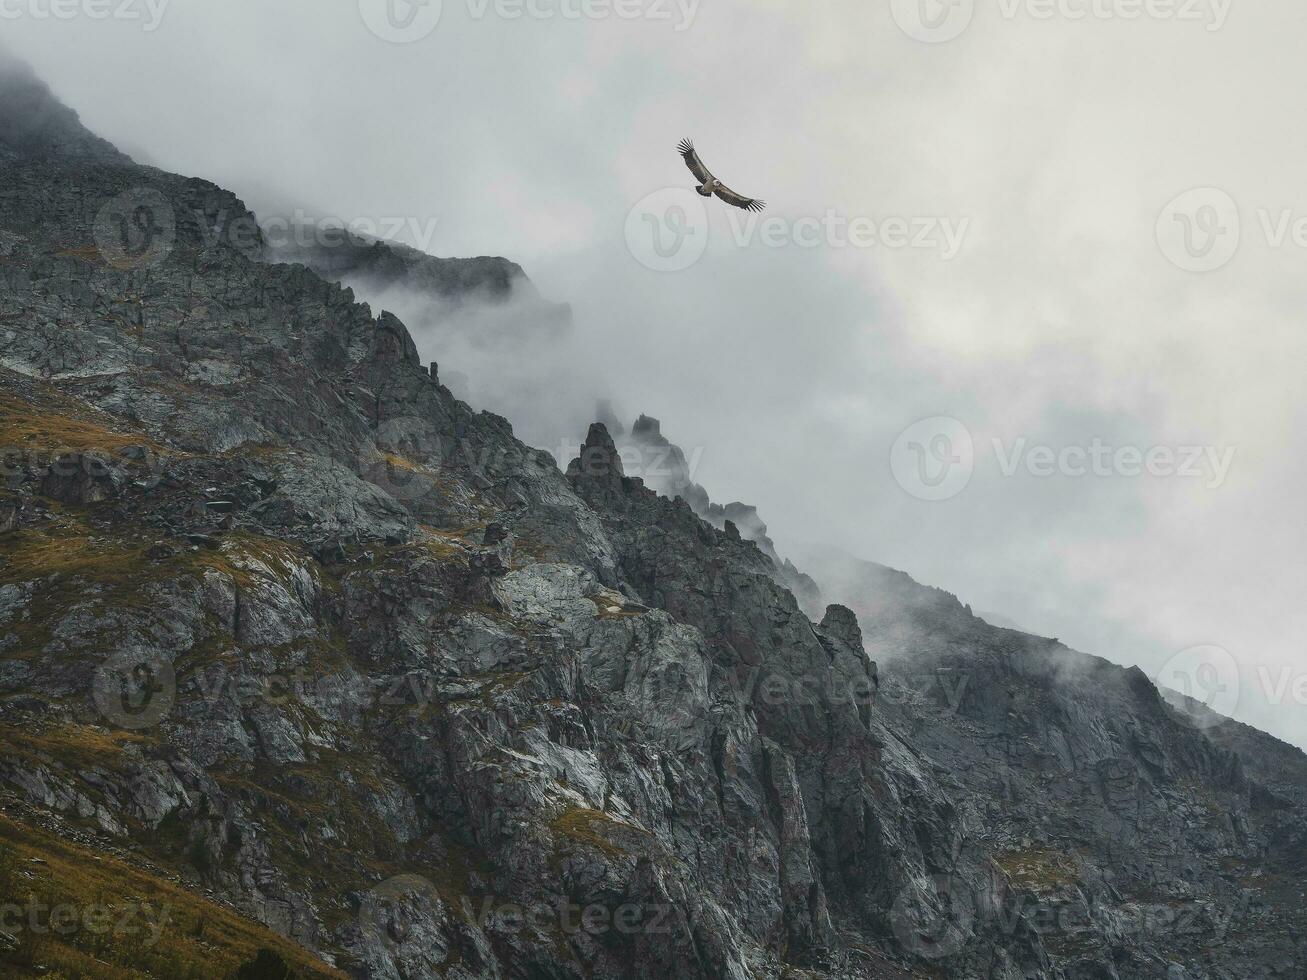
299,632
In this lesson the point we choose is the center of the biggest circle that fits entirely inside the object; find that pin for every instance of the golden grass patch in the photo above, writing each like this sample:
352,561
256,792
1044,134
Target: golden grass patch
61,424
590,827
72,564
80,745
87,252
65,549
195,938
1038,870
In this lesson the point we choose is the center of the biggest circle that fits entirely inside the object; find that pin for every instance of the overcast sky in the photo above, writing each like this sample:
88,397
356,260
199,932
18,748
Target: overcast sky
977,216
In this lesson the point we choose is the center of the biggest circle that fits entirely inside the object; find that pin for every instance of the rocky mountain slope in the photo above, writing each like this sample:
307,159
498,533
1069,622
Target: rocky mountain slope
487,303
339,254
283,621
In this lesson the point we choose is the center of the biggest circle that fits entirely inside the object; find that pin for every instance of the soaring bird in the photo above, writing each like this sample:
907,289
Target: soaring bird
711,185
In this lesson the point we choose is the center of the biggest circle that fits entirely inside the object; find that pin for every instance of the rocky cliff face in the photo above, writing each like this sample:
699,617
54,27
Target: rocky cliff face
283,618
340,254
485,303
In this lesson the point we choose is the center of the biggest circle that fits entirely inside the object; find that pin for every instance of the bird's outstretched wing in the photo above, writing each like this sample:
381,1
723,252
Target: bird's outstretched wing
693,162
739,200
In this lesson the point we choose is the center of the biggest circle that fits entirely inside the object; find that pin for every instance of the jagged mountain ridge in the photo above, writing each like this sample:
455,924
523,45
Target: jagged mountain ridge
34,124
528,688
492,285
342,254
